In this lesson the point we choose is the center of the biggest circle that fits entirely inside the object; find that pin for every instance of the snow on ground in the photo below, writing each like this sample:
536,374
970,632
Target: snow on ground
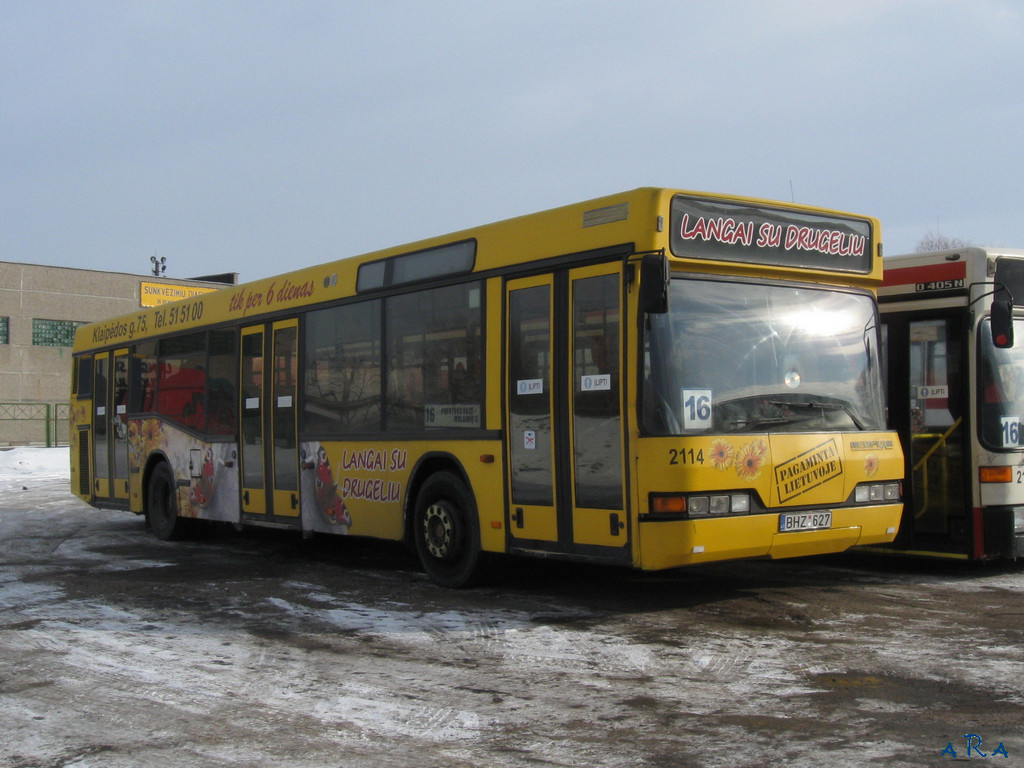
19,462
241,653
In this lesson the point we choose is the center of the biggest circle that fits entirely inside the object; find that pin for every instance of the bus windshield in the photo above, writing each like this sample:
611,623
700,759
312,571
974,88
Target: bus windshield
744,357
1001,389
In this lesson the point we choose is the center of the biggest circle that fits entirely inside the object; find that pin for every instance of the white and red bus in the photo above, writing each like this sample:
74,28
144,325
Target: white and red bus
955,395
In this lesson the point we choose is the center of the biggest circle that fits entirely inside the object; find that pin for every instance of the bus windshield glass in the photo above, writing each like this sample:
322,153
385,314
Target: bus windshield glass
1001,389
742,357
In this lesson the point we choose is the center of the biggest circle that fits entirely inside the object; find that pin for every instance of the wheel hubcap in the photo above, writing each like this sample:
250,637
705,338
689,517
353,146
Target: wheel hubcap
439,527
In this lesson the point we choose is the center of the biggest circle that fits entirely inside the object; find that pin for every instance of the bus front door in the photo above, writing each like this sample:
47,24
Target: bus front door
595,441
925,355
110,426
268,444
564,413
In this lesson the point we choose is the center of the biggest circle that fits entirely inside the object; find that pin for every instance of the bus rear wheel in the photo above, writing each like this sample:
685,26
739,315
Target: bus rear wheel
162,504
446,531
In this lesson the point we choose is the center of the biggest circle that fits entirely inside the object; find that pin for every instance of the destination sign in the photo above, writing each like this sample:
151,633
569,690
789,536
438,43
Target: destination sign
730,231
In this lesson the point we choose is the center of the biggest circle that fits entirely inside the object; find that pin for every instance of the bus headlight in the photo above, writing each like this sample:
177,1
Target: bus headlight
739,503
876,492
719,504
698,506
681,506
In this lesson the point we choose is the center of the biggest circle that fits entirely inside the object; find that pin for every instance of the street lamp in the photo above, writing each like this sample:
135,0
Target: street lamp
159,265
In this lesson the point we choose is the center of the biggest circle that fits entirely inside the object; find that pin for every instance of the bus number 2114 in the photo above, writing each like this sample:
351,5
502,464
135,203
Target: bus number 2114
685,456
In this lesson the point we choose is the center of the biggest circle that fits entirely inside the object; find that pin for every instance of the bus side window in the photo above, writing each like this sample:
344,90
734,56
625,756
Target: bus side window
435,358
181,380
222,383
85,368
342,365
142,378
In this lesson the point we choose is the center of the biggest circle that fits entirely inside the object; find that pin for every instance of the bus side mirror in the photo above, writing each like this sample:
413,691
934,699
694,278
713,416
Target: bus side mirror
654,277
1002,323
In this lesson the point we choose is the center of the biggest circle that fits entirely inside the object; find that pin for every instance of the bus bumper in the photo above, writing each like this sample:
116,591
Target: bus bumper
670,544
1003,532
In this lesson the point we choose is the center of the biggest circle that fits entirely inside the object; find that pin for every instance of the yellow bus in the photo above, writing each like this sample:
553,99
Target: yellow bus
956,399
653,379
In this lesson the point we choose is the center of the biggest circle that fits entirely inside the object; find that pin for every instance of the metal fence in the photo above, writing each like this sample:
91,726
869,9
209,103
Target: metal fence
35,424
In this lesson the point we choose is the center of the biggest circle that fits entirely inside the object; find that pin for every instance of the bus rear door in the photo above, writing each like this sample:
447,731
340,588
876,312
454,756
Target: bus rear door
110,427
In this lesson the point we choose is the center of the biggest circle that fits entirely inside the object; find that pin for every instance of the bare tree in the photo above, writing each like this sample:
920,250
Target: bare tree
937,242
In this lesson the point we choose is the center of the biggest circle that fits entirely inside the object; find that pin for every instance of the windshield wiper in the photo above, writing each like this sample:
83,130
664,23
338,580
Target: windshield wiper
819,405
762,421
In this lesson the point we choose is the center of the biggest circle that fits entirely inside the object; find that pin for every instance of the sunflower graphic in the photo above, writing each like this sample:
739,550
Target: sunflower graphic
871,465
134,443
722,454
750,459
81,413
152,434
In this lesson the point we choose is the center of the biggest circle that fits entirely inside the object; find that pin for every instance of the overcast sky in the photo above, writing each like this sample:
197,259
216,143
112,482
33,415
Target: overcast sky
259,137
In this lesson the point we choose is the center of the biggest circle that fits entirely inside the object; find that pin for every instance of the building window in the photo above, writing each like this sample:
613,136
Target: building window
4,332
54,333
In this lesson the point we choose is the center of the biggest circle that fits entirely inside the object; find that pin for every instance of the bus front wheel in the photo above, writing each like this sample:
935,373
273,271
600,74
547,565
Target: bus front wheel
162,504
446,531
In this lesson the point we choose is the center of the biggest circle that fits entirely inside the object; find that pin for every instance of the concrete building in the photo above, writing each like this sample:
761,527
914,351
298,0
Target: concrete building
40,308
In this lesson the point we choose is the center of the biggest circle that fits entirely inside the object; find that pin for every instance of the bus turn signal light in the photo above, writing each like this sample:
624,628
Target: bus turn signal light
668,505
996,474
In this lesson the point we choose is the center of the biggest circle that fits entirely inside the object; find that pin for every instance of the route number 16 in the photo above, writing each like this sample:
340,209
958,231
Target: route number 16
1011,431
697,408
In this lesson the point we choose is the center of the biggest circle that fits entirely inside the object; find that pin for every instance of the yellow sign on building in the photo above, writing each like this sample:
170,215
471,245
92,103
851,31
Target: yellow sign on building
155,294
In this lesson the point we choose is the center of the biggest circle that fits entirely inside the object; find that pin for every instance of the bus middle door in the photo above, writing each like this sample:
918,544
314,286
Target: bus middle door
268,444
